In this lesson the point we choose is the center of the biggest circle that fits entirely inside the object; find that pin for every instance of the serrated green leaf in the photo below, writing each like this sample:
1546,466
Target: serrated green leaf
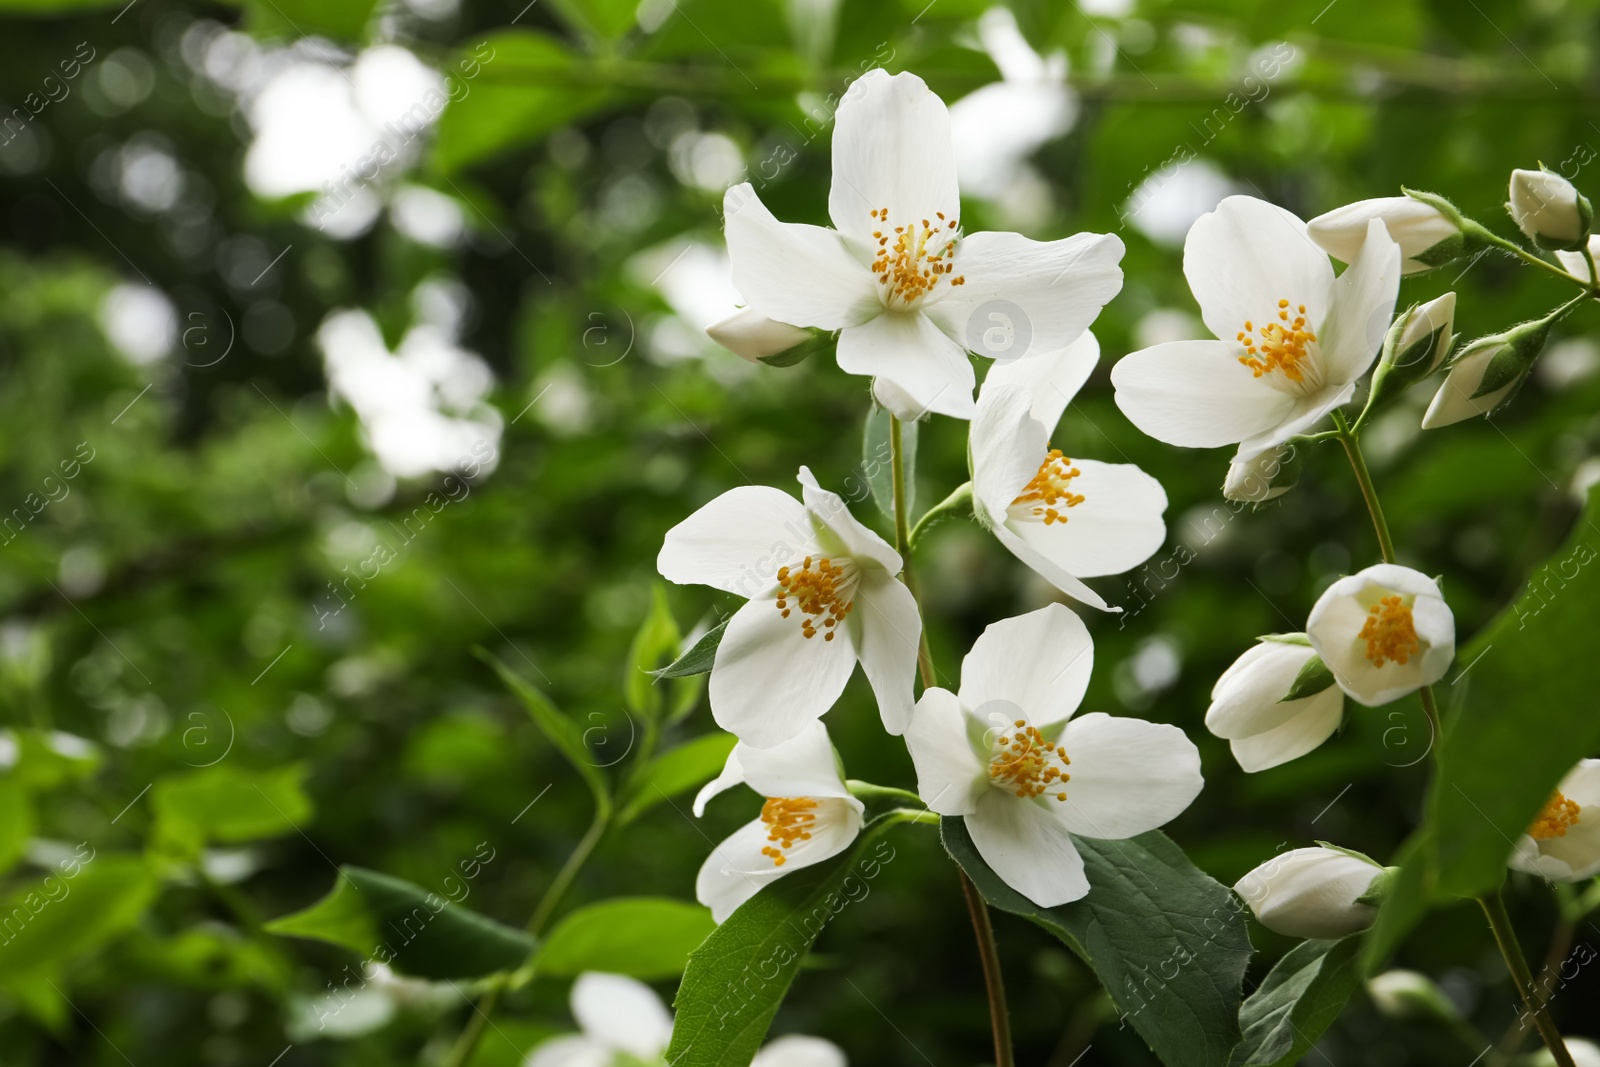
877,460
644,937
1301,997
559,730
1314,677
228,804
1149,911
655,640
45,922
411,929
688,765
721,1017
699,658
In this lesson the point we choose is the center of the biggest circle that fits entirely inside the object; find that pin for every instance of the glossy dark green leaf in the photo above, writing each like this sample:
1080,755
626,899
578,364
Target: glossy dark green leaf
1300,998
412,929
1313,678
1167,941
645,937
700,656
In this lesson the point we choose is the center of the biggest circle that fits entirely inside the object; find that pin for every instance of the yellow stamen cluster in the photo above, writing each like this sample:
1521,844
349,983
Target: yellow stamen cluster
1048,492
1389,632
1278,345
911,260
789,819
1558,815
822,591
1027,764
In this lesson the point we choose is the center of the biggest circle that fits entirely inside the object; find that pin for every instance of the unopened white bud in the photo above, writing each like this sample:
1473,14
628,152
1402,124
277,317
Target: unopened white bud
1549,209
751,335
1262,476
1418,228
1311,893
1409,995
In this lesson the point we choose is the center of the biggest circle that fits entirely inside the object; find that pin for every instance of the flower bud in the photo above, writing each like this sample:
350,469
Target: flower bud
1261,476
1275,703
1312,892
1427,236
1416,345
750,335
1409,995
1549,209
1488,372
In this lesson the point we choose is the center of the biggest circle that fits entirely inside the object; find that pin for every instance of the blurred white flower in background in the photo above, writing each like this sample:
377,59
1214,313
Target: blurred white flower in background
1171,199
139,321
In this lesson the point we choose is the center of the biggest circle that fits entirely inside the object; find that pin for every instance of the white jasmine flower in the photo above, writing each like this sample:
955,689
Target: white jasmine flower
1384,632
1415,226
1002,754
1311,893
823,593
622,1023
752,336
1563,844
1293,338
1249,710
809,816
1067,518
1547,208
897,276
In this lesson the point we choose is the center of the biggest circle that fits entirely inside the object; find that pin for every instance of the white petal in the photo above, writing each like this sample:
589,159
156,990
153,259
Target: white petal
1306,412
1415,225
1455,401
738,541
1315,720
1362,309
737,870
888,631
1029,849
769,680
1057,288
1008,444
1245,256
1248,698
570,1050
1336,620
732,775
1582,785
798,1050
1578,849
1115,529
1196,394
951,776
801,275
1128,776
1527,856
1049,569
891,149
1054,377
1041,662
803,766
911,352
621,1012
854,539
752,336
1575,263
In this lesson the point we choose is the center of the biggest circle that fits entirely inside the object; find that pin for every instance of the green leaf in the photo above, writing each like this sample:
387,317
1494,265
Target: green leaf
526,85
72,910
413,930
1167,941
877,460
228,804
644,937
55,7
657,639
689,765
559,730
344,20
1301,996
1524,716
722,1015
1313,678
699,658
47,759
1406,902
16,820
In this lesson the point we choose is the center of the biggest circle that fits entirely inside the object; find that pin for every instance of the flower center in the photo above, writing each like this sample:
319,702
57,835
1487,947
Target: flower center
1558,815
1048,493
820,588
1280,345
911,259
1389,632
788,820
1029,765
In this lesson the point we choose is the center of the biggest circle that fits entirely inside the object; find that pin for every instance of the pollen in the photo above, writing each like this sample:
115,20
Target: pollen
1558,816
788,819
1048,495
1028,765
1389,632
911,260
820,590
1281,345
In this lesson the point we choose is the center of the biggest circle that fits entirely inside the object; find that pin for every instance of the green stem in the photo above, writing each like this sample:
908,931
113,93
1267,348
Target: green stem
1494,908
868,791
957,502
1358,463
982,928
1531,259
